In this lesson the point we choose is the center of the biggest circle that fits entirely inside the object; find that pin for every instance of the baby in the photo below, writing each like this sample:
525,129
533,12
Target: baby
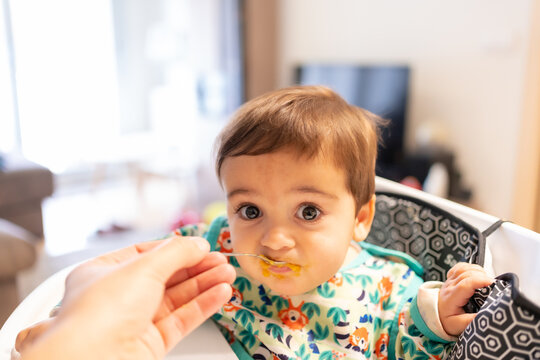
298,169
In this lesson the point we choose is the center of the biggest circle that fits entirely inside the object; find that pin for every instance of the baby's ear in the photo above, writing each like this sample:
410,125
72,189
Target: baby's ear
364,218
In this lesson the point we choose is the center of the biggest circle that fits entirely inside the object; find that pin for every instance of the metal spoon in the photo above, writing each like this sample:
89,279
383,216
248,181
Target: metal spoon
263,258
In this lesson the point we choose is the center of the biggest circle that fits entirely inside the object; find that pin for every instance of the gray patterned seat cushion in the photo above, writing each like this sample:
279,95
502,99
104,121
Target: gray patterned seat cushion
507,325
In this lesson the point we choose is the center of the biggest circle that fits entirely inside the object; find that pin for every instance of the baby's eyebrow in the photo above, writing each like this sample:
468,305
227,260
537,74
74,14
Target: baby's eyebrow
240,191
314,190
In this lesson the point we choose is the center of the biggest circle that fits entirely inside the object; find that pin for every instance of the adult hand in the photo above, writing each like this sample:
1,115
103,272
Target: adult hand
135,303
461,282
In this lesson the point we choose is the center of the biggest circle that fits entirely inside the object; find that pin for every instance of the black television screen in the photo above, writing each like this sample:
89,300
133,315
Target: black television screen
381,89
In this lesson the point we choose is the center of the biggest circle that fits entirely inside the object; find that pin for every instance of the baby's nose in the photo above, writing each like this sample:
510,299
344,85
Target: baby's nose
277,239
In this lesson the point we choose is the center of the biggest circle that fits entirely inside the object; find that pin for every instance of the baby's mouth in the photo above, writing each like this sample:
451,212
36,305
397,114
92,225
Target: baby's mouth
273,262
270,267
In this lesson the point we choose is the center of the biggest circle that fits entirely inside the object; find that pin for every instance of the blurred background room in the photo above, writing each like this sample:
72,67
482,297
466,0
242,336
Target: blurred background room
109,108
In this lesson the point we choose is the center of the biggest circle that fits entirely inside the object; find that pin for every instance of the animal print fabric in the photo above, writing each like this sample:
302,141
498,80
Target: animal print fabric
363,312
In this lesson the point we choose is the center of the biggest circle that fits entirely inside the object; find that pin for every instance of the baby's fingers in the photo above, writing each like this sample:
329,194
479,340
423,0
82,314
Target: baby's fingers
463,290
461,268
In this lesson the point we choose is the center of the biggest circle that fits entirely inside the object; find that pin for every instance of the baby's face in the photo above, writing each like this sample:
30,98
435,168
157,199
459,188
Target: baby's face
289,209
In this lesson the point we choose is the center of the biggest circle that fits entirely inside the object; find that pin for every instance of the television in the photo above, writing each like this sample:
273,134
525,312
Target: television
381,89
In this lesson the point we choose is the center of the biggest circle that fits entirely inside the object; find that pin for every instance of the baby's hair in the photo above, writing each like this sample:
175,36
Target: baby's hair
311,121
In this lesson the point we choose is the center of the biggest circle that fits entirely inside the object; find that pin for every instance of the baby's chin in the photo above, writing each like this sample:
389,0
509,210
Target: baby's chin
294,282
285,287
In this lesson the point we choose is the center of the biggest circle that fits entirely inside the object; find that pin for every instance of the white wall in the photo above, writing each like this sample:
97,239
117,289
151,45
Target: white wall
468,60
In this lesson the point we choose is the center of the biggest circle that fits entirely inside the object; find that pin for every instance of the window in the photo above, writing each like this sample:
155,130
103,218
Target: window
120,80
8,125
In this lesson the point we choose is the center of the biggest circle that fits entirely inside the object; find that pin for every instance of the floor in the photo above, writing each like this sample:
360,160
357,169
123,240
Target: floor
125,214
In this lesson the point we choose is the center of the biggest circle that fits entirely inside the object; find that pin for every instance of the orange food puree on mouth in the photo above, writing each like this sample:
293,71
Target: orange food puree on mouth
266,272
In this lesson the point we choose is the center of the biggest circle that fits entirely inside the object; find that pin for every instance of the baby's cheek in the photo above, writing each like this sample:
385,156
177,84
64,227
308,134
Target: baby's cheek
325,271
331,256
240,246
249,265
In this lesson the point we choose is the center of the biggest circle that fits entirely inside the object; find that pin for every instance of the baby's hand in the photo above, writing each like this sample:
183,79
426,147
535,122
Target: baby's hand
462,280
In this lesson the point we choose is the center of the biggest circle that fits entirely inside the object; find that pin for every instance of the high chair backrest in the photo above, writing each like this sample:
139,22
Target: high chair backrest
507,323
432,236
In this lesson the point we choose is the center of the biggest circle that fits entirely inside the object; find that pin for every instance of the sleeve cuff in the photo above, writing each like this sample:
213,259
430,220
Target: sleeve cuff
425,313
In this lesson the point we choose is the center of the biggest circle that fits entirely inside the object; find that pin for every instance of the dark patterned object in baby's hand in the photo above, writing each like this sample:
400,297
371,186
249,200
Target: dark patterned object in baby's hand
478,299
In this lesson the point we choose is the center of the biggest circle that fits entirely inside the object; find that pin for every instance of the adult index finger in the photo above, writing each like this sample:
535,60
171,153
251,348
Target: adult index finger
174,254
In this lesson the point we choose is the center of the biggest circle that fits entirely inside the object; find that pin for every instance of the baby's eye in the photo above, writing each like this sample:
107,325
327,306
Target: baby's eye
249,212
308,212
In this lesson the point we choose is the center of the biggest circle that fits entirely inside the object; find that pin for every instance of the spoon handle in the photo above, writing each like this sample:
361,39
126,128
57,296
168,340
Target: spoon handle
266,260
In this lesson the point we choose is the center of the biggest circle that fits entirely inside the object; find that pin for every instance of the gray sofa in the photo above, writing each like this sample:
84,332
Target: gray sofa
23,186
